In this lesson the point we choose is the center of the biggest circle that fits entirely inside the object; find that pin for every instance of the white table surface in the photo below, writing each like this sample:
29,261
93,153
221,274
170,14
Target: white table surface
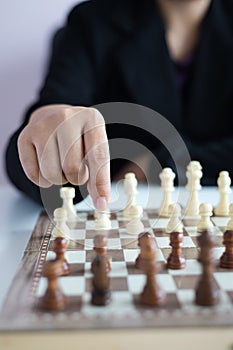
19,215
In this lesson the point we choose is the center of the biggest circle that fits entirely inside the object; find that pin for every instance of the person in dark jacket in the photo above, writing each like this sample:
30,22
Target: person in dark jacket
172,56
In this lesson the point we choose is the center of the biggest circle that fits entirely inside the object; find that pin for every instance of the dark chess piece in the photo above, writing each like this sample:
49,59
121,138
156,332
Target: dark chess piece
146,243
53,299
175,228
207,292
60,246
100,247
226,260
101,294
176,260
152,294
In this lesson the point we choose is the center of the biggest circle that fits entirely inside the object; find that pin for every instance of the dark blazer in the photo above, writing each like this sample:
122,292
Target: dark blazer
116,51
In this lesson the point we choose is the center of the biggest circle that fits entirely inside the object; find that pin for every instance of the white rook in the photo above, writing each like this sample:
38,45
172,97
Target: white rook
68,194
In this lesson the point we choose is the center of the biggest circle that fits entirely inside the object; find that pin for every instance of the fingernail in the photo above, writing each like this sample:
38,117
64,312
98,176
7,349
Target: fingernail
101,203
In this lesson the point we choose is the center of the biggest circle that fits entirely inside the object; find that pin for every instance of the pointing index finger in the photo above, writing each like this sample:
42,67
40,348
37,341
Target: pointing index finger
98,158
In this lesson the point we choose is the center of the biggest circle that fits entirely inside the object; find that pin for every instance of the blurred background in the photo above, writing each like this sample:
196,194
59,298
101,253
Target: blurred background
26,30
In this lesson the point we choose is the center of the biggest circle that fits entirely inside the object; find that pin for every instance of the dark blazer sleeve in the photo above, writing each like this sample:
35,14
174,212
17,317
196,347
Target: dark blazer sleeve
69,80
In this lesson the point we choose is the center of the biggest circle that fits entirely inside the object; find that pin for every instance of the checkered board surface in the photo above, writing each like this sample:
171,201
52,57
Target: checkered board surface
126,281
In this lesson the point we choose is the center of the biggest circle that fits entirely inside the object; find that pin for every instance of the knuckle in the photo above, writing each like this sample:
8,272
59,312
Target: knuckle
68,112
102,181
93,118
76,177
65,113
20,138
32,174
70,169
81,179
37,131
23,137
53,176
96,116
71,175
100,153
102,189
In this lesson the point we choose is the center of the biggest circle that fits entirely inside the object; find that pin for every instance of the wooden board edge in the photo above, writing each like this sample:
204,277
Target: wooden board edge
182,339
38,233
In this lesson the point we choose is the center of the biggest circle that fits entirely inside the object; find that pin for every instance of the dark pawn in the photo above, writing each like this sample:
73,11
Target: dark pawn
207,293
60,246
101,294
53,299
226,260
146,243
176,260
152,294
100,247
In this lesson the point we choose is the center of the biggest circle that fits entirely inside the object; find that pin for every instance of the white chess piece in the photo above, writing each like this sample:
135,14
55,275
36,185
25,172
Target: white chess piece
230,222
96,214
134,227
174,224
205,211
194,175
224,189
68,194
102,221
60,229
167,177
132,210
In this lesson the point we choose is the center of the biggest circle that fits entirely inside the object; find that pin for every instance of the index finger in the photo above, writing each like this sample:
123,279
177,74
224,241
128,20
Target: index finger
98,159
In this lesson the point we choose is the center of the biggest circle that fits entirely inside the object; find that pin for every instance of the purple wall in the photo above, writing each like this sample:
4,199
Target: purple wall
27,27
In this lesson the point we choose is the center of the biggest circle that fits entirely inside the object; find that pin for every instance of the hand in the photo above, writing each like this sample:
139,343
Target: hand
61,144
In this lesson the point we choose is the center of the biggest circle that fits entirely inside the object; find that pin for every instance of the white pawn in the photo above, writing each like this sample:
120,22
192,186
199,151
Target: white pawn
224,189
102,221
230,222
68,194
60,229
96,214
167,177
174,224
205,211
132,209
194,175
134,227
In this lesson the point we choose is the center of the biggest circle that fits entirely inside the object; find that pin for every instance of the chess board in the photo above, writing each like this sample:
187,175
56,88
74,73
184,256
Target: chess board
21,308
